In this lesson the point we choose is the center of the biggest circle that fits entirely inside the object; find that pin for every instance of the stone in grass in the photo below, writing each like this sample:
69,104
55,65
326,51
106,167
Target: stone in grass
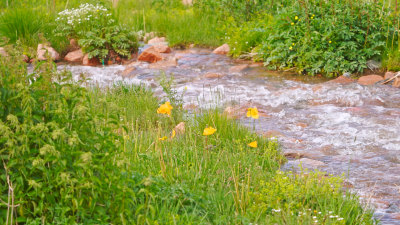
74,56
43,50
3,52
369,80
222,50
157,40
180,128
150,55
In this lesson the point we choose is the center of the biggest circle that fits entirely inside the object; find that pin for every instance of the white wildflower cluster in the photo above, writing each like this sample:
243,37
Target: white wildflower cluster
319,215
85,12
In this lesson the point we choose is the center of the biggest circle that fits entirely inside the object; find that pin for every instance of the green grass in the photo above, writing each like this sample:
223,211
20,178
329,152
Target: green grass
182,26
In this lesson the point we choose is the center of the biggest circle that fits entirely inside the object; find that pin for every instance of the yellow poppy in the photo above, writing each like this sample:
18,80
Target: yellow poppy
253,112
163,138
209,131
165,108
173,134
253,144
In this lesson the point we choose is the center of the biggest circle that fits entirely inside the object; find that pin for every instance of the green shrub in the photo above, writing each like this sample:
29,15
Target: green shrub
97,31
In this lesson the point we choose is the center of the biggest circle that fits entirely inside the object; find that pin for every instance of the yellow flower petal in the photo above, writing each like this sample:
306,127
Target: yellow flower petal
209,131
292,24
296,17
253,112
173,134
165,108
163,138
253,144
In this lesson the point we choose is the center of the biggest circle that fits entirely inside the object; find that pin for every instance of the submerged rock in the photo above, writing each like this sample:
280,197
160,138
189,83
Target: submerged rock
238,69
222,50
150,55
213,75
369,80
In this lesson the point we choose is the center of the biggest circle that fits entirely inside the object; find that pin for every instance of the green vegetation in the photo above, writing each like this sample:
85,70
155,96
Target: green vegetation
75,155
307,37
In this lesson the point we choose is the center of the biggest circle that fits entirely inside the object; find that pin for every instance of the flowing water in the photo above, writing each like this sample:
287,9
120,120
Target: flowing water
338,128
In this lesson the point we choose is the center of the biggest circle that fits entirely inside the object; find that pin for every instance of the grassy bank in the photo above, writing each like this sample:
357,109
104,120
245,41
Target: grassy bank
315,37
76,155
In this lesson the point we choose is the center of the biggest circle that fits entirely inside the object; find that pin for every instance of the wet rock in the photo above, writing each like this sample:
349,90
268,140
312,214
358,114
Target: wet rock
128,71
294,155
75,56
213,75
238,68
342,80
303,125
369,80
162,48
3,52
90,62
272,133
180,128
317,88
396,82
43,50
389,75
157,40
309,163
150,55
171,62
222,50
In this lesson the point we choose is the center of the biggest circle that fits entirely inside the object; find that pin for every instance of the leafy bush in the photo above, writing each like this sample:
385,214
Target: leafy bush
316,37
63,158
97,31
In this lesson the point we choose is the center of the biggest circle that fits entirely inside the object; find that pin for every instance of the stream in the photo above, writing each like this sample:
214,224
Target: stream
342,129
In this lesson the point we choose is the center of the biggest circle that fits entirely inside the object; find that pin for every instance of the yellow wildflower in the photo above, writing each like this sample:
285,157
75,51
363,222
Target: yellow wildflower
292,24
165,109
253,112
253,144
163,138
293,44
173,134
330,42
296,17
209,131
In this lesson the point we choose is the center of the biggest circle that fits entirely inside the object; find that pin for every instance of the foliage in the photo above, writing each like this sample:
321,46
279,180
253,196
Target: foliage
310,197
97,31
